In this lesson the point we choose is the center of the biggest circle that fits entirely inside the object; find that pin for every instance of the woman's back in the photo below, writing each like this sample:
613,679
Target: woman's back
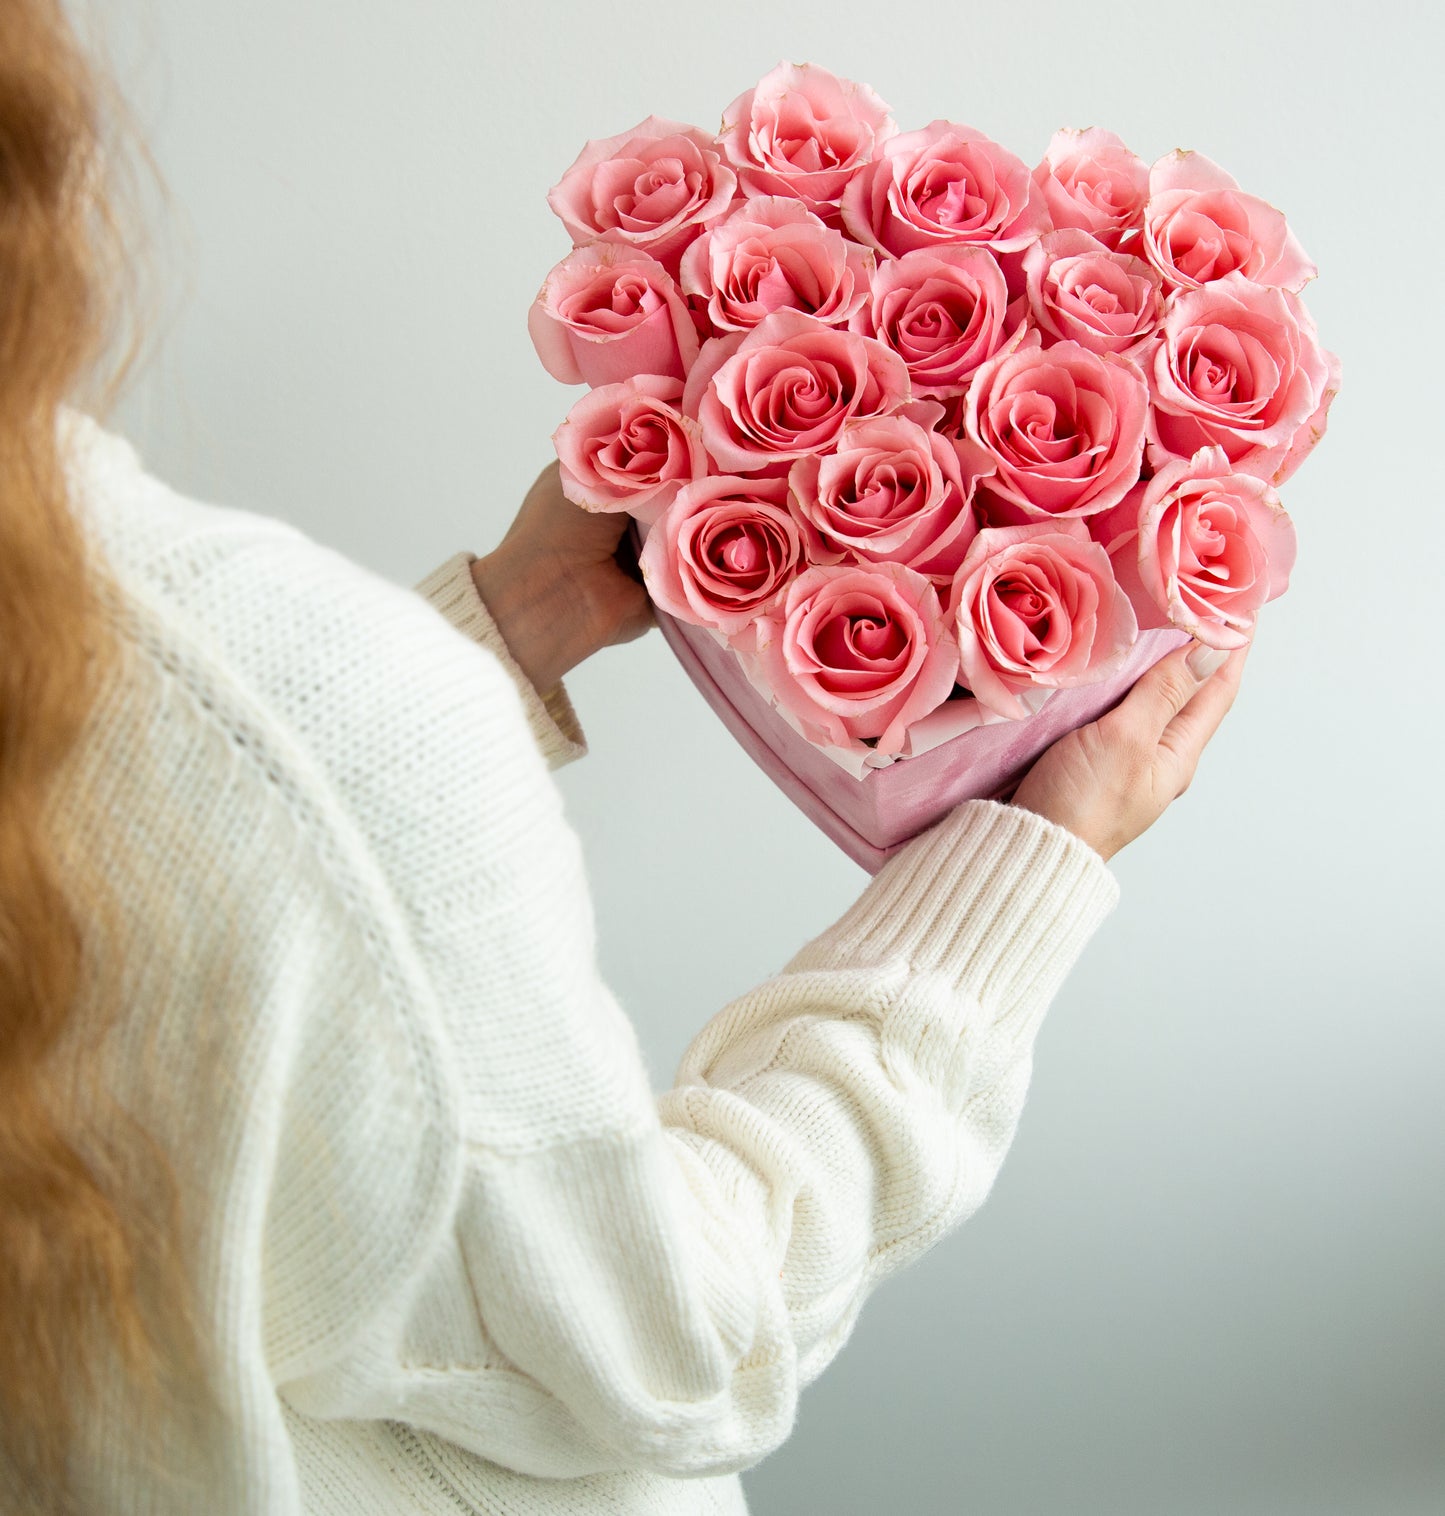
274,836
267,979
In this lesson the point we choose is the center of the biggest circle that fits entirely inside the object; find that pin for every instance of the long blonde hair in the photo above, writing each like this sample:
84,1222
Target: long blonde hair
73,1257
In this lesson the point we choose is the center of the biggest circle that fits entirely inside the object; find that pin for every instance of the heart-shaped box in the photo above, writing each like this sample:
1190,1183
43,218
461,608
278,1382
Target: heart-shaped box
872,813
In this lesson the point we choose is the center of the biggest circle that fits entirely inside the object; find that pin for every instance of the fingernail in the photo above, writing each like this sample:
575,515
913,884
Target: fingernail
1203,661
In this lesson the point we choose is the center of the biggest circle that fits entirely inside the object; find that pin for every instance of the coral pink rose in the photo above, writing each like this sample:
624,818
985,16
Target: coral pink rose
723,552
942,311
1092,182
1108,302
1066,427
787,388
890,491
1200,226
654,188
944,184
773,254
608,312
857,654
1211,547
1240,367
626,447
802,131
1037,605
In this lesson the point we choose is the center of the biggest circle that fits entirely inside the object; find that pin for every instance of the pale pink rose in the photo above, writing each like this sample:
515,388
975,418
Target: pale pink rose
608,312
1200,226
1240,367
802,131
723,552
627,447
1037,606
1108,302
1066,427
773,254
858,653
1210,547
941,185
787,388
654,188
942,311
890,491
1092,182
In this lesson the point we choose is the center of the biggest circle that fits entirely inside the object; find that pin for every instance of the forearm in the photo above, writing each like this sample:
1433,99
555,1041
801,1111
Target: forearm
650,1281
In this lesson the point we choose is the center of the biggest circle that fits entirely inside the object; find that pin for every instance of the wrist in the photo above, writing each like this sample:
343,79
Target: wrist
1097,837
539,621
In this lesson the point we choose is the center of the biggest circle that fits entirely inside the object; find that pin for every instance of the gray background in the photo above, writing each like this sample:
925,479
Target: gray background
1209,1279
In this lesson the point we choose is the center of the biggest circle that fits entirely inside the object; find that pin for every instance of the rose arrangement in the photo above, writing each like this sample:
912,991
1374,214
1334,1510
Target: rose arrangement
918,437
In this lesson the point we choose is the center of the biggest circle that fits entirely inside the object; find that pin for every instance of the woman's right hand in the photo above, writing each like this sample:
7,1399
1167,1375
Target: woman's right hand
1111,780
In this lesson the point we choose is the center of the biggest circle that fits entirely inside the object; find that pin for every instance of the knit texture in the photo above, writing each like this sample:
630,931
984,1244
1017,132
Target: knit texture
448,1249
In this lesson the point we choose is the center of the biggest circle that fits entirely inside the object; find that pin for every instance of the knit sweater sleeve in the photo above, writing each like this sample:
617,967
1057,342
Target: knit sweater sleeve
638,1280
555,728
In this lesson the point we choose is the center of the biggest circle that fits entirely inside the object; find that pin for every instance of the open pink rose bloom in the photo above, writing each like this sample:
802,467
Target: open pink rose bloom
928,455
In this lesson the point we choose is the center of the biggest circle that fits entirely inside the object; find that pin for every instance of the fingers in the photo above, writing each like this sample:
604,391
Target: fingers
546,502
1186,735
1161,693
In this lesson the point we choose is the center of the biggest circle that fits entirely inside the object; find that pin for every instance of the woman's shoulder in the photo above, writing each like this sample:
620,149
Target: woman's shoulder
403,719
141,527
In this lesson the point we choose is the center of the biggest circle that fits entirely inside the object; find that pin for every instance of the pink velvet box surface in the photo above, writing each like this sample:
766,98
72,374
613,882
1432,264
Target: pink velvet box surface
871,817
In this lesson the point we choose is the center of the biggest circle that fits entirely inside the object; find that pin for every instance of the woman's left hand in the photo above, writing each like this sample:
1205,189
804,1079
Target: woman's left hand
554,585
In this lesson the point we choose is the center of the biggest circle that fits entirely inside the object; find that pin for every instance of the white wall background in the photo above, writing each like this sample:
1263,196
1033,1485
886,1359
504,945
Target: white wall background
1210,1277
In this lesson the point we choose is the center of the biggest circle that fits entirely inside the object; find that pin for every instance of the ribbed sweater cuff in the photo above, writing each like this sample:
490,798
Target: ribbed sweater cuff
995,898
453,591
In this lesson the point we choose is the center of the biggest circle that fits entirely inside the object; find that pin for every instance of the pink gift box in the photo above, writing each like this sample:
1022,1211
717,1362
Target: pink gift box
872,813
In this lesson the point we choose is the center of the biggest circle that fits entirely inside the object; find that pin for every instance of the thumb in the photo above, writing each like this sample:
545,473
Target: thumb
1164,691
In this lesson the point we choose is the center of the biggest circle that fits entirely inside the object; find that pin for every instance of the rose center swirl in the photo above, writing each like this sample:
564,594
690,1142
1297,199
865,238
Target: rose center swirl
869,639
795,400
738,555
644,442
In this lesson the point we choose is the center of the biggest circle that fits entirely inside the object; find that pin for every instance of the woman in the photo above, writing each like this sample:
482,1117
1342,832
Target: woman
330,1173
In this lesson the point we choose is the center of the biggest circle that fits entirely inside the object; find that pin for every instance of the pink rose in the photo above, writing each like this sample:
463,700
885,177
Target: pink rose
1037,605
1313,429
1092,182
891,491
942,311
858,653
802,131
1211,547
1078,290
1200,226
941,185
773,254
653,188
1240,367
724,552
608,312
787,388
1066,427
626,447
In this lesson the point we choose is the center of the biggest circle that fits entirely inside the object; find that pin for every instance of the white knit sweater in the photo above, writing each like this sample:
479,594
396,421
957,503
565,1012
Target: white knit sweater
448,1249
